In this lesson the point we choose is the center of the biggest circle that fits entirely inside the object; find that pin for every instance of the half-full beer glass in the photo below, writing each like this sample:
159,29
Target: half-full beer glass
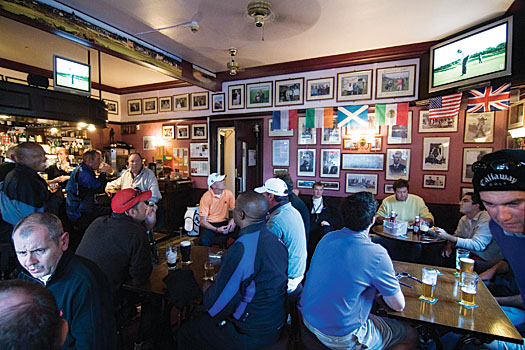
469,287
461,253
429,278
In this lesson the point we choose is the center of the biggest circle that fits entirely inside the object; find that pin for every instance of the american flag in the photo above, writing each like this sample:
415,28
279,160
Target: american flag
489,99
445,106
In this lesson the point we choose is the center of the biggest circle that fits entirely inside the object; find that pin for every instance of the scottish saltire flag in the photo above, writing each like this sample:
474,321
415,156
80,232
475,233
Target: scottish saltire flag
489,99
319,118
356,116
445,106
391,114
284,120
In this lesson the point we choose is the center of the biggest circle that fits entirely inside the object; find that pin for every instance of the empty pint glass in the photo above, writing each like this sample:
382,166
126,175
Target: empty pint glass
461,253
429,278
469,287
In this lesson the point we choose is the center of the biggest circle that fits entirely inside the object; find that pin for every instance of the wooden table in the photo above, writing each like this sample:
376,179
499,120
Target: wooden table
410,236
486,322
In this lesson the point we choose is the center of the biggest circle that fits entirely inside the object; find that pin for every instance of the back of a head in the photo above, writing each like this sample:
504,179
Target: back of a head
503,170
90,154
253,204
287,180
358,210
11,151
24,149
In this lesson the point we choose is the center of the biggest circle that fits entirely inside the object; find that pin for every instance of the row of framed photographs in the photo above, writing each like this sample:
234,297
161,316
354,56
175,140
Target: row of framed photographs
177,103
182,132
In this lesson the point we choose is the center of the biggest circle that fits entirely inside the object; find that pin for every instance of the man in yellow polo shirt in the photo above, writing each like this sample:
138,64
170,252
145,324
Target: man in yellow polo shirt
213,211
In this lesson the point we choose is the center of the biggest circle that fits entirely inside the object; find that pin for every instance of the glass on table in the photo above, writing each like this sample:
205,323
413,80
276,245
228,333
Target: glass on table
185,251
171,257
209,271
469,287
461,253
429,278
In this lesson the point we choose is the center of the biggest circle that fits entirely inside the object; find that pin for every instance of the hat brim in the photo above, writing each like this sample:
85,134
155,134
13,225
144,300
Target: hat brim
261,189
143,196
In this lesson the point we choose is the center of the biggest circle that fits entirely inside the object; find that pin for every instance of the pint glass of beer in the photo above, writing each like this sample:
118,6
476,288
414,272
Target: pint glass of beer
469,287
429,278
466,265
185,251
171,257
209,271
461,253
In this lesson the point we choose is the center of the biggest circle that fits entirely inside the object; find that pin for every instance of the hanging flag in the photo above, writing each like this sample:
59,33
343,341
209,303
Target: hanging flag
352,116
319,118
391,114
445,106
310,118
328,118
284,120
489,99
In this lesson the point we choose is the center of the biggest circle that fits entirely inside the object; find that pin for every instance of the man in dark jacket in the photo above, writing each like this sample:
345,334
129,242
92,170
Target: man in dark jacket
297,203
9,162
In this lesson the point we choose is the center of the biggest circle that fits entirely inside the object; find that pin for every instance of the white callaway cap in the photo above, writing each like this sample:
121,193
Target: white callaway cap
214,177
274,186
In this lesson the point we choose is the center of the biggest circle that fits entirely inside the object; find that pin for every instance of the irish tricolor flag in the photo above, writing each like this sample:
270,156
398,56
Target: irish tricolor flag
284,120
391,114
319,118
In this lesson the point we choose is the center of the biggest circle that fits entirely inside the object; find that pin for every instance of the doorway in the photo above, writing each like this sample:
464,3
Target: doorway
226,146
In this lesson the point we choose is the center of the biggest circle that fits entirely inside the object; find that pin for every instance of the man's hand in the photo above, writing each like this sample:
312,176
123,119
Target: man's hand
151,217
223,229
488,274
63,178
444,235
447,250
325,223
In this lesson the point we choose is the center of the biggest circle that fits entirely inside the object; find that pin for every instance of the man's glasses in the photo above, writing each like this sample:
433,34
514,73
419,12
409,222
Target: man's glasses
137,192
498,165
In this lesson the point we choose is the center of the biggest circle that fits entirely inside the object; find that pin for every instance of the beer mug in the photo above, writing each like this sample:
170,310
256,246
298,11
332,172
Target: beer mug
171,257
469,287
209,271
461,253
429,278
185,251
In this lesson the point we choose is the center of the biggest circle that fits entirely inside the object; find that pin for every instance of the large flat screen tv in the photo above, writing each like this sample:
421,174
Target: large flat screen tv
479,55
71,76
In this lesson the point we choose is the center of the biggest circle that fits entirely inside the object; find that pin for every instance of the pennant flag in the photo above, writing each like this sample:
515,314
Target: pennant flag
489,99
391,114
310,118
319,118
328,118
352,116
284,120
445,106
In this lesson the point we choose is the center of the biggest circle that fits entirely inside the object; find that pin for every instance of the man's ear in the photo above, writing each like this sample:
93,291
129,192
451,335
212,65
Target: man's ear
64,240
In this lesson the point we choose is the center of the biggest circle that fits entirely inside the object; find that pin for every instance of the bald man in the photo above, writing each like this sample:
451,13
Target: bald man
246,303
9,162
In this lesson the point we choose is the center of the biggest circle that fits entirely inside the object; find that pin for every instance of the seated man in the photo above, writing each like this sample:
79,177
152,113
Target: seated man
245,305
213,212
297,203
346,272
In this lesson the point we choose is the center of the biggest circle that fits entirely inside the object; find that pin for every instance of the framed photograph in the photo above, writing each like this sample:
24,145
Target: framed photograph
516,117
199,101
149,105
148,143
259,95
464,191
479,128
396,81
514,143
400,134
389,188
183,132
361,182
280,171
218,103
289,92
470,156
330,162
306,162
350,144
434,181
363,161
436,153
278,133
181,103
236,96
281,152
168,132
398,163
165,104
331,185
135,107
111,106
198,132
305,136
376,144
199,168
354,86
305,183
319,89
128,129
199,150
437,125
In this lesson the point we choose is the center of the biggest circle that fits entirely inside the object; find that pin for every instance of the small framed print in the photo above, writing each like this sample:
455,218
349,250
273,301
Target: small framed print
398,163
236,96
168,132
148,143
289,92
305,136
354,86
181,103
516,117
479,128
218,103
165,104
259,95
198,132
183,132
280,171
281,152
361,182
514,143
331,136
363,161
305,183
470,156
436,153
331,185
199,101
149,105
111,106
389,188
319,89
400,134
350,144
330,162
199,150
434,181
306,162
396,81
438,124
376,144
199,168
278,133
135,107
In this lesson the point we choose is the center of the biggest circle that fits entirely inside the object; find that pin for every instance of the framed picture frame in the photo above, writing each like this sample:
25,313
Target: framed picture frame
331,185
514,143
135,106
331,136
479,128
350,144
128,129
181,102
306,161
434,181
330,162
236,96
361,182
111,106
389,188
363,161
148,143
259,95
516,118
320,89
436,153
280,171
353,86
470,156
305,183
199,132
199,150
398,163
199,168
464,190
436,125
165,104
150,105
168,132
289,92
278,133
280,152
396,81
305,136
400,134
199,101
183,132
218,102
376,144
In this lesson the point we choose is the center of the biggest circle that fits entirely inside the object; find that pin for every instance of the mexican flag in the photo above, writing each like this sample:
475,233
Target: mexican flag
391,114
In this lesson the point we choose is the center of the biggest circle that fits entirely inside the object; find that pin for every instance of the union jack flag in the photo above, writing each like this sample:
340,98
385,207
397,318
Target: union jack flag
489,99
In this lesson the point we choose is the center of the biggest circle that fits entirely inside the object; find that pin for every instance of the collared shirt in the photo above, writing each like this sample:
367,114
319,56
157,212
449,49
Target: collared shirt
145,180
317,205
406,210
216,209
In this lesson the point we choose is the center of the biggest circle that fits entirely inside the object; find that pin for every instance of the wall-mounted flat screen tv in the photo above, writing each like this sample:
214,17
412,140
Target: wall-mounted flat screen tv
479,55
71,76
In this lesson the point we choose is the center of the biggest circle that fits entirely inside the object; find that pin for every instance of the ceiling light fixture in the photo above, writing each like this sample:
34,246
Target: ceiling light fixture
261,12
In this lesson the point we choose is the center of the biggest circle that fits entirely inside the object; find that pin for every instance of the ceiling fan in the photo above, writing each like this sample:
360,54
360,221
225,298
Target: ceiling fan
233,67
